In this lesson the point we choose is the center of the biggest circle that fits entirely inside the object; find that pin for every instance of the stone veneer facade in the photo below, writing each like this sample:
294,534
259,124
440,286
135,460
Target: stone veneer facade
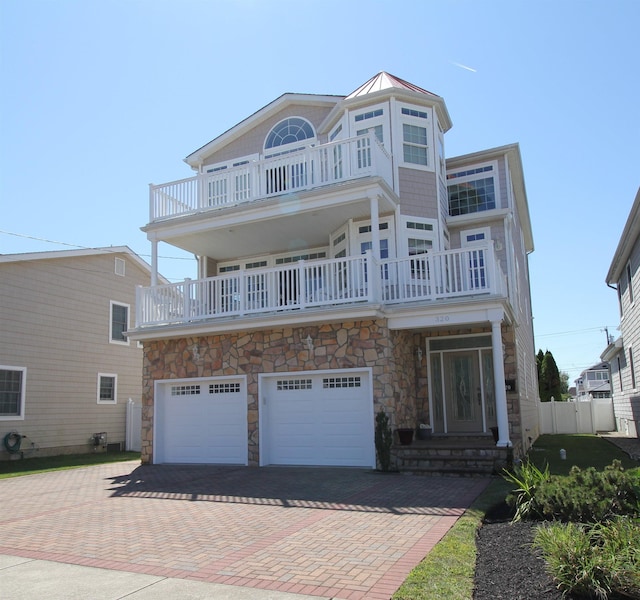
400,384
389,354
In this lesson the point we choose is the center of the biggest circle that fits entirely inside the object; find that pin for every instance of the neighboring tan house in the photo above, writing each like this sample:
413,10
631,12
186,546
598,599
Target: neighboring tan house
345,266
594,383
623,353
67,370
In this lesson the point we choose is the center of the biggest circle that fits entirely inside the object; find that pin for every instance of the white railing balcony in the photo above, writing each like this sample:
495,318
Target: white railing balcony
305,169
324,284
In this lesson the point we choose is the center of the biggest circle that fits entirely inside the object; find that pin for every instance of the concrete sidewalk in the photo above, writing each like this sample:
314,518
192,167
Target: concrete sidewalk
28,579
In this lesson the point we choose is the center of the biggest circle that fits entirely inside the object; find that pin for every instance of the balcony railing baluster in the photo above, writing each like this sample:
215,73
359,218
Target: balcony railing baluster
324,284
309,168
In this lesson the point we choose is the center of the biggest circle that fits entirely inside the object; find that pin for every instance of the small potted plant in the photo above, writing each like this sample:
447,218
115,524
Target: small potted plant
424,431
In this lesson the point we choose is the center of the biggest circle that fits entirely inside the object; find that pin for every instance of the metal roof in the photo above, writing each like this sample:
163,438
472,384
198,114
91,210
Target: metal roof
384,81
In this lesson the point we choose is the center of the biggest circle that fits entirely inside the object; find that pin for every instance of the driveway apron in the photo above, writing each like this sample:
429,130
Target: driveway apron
338,533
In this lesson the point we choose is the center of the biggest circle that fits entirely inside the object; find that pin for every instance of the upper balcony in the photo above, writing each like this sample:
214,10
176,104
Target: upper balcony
306,288
306,169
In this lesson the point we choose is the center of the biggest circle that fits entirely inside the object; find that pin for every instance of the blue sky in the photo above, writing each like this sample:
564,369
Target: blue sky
101,98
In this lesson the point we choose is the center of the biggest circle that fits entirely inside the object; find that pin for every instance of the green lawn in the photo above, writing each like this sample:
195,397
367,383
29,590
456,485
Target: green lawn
582,450
447,571
29,466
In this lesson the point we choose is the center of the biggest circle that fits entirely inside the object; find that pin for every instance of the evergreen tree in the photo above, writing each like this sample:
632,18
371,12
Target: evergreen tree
539,359
550,383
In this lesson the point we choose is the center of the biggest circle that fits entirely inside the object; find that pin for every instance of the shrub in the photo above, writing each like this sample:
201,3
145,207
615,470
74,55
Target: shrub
527,477
383,440
589,496
593,561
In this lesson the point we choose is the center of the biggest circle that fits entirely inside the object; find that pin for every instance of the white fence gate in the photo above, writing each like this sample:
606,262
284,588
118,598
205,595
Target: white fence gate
134,427
589,416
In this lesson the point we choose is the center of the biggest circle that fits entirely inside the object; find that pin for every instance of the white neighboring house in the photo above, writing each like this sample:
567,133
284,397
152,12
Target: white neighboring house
345,266
623,353
594,383
66,368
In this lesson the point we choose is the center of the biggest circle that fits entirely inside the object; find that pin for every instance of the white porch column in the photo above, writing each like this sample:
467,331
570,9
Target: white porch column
375,226
501,390
154,262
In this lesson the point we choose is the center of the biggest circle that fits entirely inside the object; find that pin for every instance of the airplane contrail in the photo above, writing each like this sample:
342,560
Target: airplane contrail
457,64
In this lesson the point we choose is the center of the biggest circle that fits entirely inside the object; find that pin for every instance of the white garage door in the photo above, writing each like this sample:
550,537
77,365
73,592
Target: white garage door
317,419
203,421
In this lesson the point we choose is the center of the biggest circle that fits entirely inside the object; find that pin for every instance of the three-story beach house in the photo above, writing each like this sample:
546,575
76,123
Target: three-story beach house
346,265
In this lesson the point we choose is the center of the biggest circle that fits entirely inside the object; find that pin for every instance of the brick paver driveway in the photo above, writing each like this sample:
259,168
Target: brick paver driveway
340,533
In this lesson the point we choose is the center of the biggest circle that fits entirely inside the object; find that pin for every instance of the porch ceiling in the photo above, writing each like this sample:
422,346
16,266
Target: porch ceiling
290,222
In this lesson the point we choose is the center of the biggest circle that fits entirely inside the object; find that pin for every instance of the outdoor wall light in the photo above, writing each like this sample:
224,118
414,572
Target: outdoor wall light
309,342
195,351
419,353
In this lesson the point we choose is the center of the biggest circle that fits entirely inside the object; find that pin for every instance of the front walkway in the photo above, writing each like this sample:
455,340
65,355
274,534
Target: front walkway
338,533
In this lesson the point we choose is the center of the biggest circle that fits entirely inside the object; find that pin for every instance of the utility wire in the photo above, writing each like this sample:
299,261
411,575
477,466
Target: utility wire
77,246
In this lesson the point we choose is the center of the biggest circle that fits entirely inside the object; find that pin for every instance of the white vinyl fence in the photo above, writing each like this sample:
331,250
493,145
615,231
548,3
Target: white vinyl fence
134,427
589,416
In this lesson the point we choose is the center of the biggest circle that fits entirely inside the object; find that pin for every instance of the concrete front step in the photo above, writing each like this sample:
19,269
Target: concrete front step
462,456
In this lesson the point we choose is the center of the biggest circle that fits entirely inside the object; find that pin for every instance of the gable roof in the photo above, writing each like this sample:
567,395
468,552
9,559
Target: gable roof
30,256
629,237
287,99
384,81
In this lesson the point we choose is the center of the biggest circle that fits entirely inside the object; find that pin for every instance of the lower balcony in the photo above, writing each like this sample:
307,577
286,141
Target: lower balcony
324,284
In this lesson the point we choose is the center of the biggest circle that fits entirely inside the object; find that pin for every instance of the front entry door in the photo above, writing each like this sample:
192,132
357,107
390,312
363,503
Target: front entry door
463,392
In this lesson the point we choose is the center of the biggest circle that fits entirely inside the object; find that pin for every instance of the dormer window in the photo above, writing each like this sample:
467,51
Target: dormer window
290,131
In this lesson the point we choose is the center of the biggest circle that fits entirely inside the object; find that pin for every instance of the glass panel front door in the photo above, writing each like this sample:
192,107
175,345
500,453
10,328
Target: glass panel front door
463,394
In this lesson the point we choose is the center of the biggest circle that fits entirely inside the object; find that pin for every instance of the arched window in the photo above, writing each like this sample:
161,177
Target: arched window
289,131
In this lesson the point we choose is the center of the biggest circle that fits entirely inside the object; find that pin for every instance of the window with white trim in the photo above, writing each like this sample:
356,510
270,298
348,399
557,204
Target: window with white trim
420,238
224,388
441,159
12,392
118,323
293,130
472,189
283,385
185,390
335,133
469,237
372,120
107,388
415,136
120,267
341,382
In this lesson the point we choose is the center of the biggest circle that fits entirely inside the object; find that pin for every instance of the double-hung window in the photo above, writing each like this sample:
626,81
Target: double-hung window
415,136
12,392
119,323
107,388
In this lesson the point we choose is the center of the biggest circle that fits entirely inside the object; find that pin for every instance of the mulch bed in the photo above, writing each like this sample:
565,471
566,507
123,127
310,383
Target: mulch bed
507,567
